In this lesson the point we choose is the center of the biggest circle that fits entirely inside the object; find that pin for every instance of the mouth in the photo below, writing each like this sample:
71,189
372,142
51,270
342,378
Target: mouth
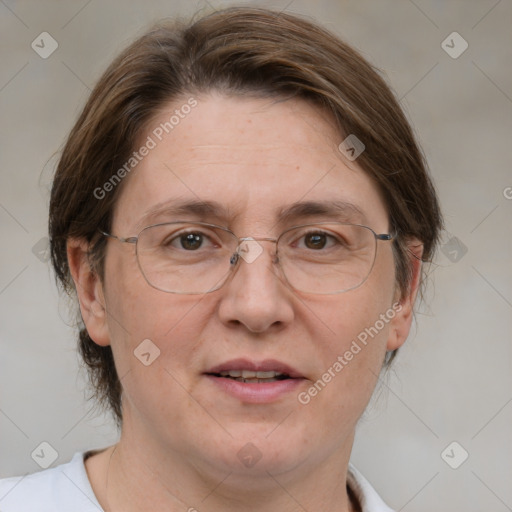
255,382
251,377
245,370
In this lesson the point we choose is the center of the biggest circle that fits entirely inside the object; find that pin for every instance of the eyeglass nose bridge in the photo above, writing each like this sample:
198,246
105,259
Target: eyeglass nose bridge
249,252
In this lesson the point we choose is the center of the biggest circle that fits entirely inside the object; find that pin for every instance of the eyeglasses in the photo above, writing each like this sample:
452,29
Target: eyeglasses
197,257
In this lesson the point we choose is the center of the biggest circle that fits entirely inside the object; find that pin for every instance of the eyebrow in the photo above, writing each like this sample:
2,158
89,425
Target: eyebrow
342,211
339,210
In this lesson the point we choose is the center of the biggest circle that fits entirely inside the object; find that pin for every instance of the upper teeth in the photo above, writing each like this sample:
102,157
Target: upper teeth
248,374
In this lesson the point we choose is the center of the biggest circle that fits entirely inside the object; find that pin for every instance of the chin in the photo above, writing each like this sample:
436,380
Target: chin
257,450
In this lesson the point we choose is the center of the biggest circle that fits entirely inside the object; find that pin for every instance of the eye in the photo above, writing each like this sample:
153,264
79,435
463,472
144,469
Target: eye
318,240
190,241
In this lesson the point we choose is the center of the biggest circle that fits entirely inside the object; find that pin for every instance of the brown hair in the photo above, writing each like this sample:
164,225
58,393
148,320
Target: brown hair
237,51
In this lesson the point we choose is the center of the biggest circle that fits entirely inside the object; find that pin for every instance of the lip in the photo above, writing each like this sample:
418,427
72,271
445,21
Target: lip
267,365
258,393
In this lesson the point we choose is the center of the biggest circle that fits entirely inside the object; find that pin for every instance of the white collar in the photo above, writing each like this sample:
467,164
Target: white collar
368,498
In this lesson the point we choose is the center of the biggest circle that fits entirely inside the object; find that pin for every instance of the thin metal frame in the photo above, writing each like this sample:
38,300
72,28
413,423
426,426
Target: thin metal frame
134,239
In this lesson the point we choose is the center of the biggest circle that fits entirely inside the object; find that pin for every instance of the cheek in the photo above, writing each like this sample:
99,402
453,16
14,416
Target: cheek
155,344
357,324
358,317
145,320
360,328
162,319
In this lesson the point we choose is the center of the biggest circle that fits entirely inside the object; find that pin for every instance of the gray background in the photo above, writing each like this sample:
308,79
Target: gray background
452,381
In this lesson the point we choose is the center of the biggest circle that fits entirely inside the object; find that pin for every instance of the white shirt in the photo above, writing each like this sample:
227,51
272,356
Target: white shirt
66,488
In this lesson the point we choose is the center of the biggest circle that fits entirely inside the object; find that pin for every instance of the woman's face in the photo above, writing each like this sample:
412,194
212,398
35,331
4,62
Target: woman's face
253,157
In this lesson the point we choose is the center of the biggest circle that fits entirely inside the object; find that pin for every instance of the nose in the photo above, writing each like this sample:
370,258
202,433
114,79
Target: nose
256,294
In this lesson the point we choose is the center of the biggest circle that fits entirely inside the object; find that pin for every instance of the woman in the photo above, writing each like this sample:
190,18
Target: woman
242,211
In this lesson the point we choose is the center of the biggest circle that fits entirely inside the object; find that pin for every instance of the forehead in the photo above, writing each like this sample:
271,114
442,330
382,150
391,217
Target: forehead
253,159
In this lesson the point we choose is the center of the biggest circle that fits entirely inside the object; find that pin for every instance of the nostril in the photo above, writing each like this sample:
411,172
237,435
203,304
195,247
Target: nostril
234,258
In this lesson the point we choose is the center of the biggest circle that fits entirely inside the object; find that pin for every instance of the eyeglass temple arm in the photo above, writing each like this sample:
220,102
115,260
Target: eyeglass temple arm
129,240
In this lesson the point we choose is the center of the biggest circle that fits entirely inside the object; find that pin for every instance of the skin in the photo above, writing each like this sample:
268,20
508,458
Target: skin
181,435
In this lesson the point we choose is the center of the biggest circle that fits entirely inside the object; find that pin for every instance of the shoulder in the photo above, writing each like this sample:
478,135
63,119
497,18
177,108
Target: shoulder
62,488
368,498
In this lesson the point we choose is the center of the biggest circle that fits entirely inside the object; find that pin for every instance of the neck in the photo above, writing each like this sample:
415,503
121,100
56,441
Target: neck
144,477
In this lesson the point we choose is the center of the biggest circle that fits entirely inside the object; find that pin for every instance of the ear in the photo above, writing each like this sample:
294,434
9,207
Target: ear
401,323
89,290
